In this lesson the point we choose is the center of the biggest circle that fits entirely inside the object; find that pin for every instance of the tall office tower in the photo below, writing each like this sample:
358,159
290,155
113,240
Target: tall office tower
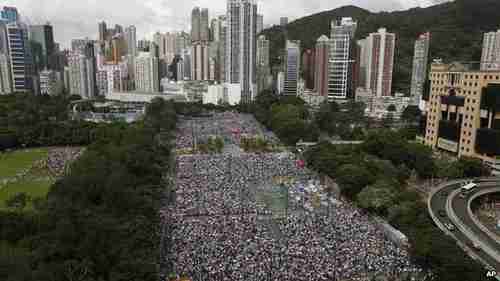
9,14
119,48
15,35
82,75
341,57
186,59
118,29
292,70
419,73
183,41
199,61
43,46
204,30
131,40
147,72
283,21
263,69
321,65
215,26
308,62
160,42
79,45
195,24
5,75
241,46
379,48
222,49
103,31
170,46
260,23
362,57
490,58
143,45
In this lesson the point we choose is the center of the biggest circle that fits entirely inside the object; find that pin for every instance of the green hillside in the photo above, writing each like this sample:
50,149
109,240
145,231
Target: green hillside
456,29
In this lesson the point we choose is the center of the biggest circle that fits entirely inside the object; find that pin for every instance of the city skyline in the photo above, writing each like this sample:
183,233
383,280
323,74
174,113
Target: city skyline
80,18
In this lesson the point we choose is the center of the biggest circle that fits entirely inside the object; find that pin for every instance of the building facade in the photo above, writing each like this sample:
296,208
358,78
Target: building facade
463,114
147,72
50,83
378,52
260,23
241,45
321,66
43,46
490,57
292,72
308,66
419,72
19,56
82,75
341,58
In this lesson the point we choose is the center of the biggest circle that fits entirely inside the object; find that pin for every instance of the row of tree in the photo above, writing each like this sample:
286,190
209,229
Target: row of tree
99,222
376,174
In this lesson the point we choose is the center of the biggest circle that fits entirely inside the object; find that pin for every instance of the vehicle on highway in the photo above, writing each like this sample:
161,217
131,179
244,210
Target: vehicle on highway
449,226
467,188
442,213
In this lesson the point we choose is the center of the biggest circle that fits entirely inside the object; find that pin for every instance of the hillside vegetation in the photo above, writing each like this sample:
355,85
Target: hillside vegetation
457,29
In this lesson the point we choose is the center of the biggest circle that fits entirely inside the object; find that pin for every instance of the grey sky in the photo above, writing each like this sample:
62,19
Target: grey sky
78,18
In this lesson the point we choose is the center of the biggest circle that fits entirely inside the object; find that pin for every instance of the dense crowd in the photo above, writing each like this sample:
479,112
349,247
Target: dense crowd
224,228
59,158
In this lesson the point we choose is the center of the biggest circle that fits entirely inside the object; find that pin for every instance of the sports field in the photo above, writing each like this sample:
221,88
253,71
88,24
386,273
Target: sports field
19,173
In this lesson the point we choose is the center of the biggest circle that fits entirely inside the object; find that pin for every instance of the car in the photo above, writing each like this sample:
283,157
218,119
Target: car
442,213
449,226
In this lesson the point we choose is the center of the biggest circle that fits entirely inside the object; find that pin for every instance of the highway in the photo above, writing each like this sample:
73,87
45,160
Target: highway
456,210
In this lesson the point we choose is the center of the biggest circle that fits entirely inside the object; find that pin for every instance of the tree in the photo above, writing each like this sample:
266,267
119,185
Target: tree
377,197
352,179
18,201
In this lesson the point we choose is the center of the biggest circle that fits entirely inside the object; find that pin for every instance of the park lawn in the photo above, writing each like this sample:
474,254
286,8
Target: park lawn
35,188
14,162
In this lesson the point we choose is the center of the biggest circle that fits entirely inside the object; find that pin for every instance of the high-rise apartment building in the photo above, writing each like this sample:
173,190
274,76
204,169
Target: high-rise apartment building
200,61
241,45
419,72
43,46
147,72
308,62
490,58
260,23
82,75
292,70
222,49
283,21
463,112
195,24
378,62
341,59
321,65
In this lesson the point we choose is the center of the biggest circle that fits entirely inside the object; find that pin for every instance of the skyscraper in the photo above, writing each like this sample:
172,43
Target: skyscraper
263,69
283,21
241,46
222,48
199,61
17,51
82,75
292,67
490,58
43,46
204,30
308,62
147,72
131,40
379,50
420,60
103,31
341,58
321,65
260,23
195,24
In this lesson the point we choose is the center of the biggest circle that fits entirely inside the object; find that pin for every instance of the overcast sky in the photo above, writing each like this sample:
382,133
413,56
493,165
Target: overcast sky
79,18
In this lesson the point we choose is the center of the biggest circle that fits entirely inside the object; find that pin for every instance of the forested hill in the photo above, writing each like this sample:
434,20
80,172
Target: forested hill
457,29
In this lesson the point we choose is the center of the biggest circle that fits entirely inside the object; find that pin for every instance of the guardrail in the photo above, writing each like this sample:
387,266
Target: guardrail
475,220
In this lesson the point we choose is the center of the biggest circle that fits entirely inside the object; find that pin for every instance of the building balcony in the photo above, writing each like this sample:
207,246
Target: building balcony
488,142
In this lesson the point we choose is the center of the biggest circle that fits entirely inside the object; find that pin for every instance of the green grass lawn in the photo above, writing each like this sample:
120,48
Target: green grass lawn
13,162
35,184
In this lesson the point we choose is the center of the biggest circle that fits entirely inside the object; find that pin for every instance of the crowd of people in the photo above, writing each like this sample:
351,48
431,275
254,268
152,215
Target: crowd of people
59,158
222,229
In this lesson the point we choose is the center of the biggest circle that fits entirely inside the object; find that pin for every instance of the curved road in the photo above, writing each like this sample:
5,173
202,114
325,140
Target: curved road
446,206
